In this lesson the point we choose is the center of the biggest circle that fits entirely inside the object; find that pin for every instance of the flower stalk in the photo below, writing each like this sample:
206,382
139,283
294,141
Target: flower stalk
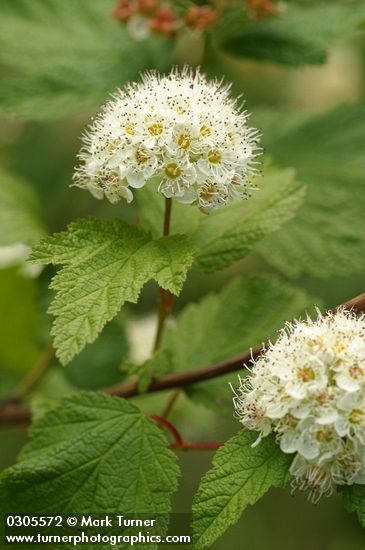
166,298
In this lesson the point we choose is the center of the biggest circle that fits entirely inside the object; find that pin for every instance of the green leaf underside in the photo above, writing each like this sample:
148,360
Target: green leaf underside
327,236
230,233
94,454
221,326
60,56
19,212
301,35
105,263
354,500
98,365
240,476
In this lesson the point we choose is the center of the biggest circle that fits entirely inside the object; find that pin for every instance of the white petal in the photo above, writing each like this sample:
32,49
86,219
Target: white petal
289,442
277,410
126,194
136,179
341,426
347,383
95,191
308,447
327,416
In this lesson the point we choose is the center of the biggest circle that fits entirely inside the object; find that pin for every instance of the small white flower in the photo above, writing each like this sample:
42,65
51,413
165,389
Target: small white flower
351,419
180,129
177,175
309,389
308,476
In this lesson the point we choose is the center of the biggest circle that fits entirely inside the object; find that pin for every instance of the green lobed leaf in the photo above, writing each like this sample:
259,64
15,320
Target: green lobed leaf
354,500
105,263
221,326
93,454
230,233
20,220
59,56
327,236
299,35
240,476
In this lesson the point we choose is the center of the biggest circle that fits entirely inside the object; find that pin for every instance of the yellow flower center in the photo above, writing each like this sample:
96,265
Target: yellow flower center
232,138
130,129
291,421
208,192
172,170
113,145
140,156
356,416
307,374
184,140
205,131
156,129
340,347
111,177
323,436
214,157
356,371
323,398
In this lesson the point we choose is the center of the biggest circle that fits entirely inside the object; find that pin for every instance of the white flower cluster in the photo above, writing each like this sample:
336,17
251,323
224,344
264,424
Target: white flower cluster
309,389
181,130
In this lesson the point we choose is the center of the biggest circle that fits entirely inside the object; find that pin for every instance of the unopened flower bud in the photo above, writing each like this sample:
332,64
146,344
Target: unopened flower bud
201,17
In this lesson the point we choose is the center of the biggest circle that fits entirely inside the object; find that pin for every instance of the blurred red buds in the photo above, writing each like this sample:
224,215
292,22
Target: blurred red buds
124,10
165,17
259,9
201,17
164,22
147,7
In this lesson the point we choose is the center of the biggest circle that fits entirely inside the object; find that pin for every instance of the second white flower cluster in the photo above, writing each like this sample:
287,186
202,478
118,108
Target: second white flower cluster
309,389
180,130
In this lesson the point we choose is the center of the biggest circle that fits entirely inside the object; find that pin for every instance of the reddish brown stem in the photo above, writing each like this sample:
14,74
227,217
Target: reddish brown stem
186,378
13,412
179,443
195,445
167,424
